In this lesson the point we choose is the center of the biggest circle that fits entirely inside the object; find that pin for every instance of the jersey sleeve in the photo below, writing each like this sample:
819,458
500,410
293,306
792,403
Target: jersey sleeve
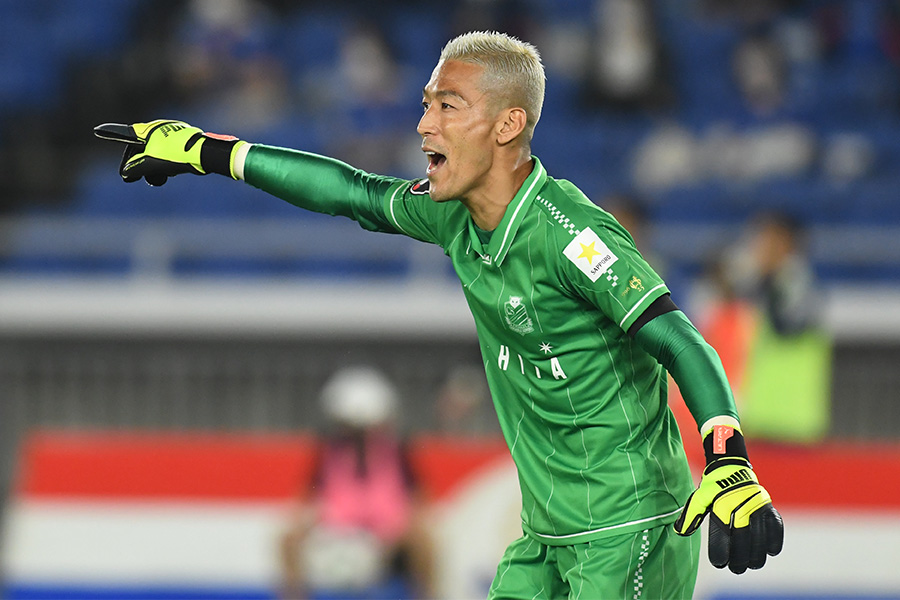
674,341
325,185
321,184
410,210
602,265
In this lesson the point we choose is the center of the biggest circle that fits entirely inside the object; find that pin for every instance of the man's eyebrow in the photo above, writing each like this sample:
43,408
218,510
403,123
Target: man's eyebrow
443,94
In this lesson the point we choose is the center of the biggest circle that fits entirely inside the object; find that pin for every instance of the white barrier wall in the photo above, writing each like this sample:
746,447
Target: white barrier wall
189,516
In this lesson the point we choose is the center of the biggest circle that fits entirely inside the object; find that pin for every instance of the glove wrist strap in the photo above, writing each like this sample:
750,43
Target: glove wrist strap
724,441
215,154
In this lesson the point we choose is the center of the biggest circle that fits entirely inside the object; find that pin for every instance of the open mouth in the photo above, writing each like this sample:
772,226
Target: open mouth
435,161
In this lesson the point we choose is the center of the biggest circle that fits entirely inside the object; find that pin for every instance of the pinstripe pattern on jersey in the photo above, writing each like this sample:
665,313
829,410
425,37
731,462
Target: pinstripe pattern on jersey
650,453
587,460
498,581
612,362
581,561
539,175
537,315
393,216
570,408
547,465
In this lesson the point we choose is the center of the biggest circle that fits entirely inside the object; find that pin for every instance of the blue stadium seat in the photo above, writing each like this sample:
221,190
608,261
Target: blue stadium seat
854,91
89,26
39,37
416,34
101,192
29,67
311,40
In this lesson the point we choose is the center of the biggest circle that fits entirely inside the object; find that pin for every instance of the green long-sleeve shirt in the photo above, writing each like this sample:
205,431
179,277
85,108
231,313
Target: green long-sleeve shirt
553,291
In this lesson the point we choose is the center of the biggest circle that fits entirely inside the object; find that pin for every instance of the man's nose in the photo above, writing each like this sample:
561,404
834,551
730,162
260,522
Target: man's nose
426,123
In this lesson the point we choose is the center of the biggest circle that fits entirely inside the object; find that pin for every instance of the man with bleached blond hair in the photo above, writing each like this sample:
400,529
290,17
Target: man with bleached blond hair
576,330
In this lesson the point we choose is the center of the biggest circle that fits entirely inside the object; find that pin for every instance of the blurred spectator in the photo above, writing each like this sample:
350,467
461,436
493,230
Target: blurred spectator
367,67
673,156
724,317
631,213
760,70
784,385
368,105
728,322
226,63
847,157
363,535
668,157
626,67
783,281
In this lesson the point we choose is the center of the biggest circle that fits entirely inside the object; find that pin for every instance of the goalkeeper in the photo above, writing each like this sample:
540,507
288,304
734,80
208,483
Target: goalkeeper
576,331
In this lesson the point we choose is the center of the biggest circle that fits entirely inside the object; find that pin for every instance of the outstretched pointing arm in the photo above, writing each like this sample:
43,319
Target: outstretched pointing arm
164,148
318,183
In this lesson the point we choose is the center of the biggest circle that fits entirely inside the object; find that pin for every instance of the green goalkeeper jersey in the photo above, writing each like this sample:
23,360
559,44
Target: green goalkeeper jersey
553,290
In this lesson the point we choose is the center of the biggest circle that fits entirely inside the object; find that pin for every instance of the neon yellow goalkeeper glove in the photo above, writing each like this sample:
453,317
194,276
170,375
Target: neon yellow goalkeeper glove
744,526
164,148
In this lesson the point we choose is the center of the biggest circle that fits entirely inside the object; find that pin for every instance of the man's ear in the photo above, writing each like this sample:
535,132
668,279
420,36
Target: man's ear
511,123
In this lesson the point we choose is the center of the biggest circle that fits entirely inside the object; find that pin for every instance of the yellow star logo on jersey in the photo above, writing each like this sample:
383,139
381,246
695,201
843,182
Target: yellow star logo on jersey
586,245
588,252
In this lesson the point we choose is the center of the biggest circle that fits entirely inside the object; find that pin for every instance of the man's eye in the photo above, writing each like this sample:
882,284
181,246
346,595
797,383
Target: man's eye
445,106
424,105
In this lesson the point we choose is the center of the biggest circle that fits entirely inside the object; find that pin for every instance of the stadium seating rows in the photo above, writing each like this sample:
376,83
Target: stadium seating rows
592,148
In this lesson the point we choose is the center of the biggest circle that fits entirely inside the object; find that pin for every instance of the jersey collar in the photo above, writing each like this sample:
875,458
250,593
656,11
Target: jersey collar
503,236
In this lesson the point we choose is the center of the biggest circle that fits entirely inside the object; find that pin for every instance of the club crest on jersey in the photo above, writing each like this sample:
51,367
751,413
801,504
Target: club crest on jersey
588,252
517,316
634,283
420,188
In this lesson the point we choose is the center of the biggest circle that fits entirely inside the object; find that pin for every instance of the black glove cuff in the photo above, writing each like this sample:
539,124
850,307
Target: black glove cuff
215,155
716,442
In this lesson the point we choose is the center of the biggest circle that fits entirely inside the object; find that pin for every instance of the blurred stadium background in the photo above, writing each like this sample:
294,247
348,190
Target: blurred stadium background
207,308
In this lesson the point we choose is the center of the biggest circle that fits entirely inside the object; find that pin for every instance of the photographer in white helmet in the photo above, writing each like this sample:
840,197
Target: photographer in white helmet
360,538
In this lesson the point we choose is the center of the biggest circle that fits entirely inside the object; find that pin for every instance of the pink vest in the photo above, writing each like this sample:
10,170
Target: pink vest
378,502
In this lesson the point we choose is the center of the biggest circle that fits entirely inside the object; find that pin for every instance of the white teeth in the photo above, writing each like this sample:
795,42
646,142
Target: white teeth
430,153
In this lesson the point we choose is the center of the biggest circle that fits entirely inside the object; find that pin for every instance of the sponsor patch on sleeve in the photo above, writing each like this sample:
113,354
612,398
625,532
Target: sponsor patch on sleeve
421,187
590,254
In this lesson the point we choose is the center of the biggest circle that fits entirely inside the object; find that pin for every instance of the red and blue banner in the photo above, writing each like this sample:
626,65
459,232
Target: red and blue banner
198,515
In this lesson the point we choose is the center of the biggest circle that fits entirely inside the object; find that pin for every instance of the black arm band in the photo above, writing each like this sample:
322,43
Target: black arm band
660,306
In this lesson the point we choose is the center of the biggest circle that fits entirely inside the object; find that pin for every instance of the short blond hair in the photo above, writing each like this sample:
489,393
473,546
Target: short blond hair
513,72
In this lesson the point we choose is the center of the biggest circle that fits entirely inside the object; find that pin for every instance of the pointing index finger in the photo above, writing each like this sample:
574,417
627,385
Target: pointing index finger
117,132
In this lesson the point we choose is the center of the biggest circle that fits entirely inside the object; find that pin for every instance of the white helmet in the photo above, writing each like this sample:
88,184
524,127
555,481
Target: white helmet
360,397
